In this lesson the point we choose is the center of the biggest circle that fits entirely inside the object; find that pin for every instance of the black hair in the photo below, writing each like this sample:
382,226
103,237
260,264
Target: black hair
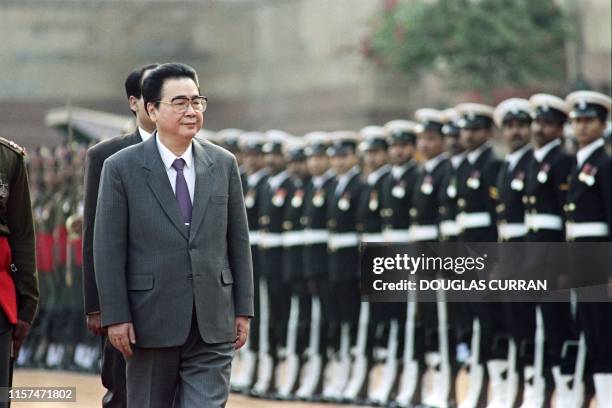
133,81
153,83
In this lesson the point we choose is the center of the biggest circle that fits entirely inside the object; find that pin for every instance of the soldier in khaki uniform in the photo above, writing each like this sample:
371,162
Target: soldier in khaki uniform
18,278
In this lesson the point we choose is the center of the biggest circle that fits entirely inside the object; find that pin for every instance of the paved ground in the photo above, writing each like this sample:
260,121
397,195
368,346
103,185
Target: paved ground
89,391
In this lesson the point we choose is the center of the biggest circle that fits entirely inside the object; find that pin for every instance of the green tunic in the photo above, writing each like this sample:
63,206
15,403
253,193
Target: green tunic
16,224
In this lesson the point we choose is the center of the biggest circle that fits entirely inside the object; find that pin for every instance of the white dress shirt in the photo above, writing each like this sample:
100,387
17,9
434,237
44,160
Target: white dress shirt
475,154
514,157
188,171
144,135
583,154
541,152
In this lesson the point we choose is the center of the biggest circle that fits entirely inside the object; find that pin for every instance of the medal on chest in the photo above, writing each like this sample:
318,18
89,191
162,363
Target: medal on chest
318,199
279,197
373,204
298,199
518,183
587,175
543,173
249,199
427,185
344,204
451,190
473,181
399,190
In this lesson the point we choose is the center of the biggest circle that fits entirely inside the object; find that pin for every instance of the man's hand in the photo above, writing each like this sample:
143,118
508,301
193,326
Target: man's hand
121,336
94,324
22,328
241,328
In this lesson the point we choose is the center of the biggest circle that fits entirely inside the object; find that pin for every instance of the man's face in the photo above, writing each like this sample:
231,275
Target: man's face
516,134
545,131
343,163
177,125
137,106
374,159
453,145
297,169
317,164
253,161
430,144
400,153
472,139
587,130
275,162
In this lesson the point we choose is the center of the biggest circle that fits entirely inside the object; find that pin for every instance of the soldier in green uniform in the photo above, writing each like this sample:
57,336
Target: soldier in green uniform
18,278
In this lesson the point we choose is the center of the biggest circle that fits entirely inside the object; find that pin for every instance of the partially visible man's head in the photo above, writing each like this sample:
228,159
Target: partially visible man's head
549,116
172,98
589,115
514,117
476,123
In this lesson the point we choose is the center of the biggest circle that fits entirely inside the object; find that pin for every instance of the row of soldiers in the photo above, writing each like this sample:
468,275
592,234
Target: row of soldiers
59,337
311,201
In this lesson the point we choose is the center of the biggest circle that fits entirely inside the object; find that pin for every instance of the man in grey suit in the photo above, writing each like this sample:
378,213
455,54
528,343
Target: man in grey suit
171,253
113,364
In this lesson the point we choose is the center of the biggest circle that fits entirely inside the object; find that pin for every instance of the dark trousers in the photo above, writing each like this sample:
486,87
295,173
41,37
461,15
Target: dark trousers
6,335
344,307
113,376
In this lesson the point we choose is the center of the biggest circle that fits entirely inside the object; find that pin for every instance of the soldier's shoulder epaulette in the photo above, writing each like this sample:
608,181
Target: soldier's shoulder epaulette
13,146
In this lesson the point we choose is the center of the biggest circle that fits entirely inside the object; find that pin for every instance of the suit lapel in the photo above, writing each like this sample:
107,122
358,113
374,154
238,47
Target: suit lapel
158,182
203,184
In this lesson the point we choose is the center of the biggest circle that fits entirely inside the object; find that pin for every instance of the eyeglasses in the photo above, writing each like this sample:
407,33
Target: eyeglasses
181,104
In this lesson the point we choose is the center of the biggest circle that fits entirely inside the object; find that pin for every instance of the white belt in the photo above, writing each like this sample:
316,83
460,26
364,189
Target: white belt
586,229
343,240
254,237
449,228
543,221
372,237
270,240
473,220
293,238
392,235
316,236
513,230
423,232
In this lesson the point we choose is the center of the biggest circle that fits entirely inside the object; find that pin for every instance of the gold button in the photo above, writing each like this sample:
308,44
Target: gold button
525,199
331,223
287,225
413,212
461,202
532,200
572,207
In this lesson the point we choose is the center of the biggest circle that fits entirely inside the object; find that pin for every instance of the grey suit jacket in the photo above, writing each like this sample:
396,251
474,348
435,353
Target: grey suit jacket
93,170
150,269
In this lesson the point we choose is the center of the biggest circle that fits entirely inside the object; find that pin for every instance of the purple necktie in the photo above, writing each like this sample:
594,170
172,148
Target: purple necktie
182,192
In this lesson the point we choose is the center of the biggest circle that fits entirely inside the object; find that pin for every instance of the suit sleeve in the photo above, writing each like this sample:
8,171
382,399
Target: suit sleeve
22,243
238,247
110,247
93,170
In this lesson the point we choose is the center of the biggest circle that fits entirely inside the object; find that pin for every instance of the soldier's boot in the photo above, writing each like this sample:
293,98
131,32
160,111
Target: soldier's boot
436,387
265,374
380,388
287,382
339,368
476,395
533,389
503,383
603,389
242,379
310,377
359,372
568,393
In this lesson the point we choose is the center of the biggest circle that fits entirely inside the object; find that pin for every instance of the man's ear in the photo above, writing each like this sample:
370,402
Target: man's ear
151,111
133,101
